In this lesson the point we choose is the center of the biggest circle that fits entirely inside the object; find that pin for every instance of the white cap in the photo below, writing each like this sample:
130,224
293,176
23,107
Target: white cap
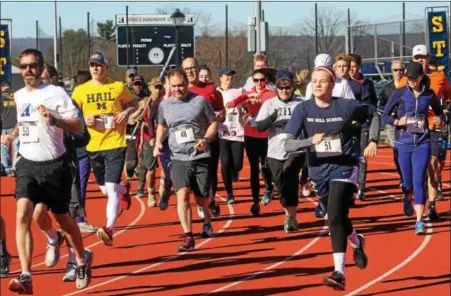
323,60
419,49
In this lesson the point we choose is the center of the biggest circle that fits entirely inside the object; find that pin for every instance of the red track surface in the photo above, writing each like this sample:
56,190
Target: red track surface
253,256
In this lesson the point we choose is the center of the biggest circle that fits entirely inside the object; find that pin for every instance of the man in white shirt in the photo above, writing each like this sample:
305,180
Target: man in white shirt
44,113
342,89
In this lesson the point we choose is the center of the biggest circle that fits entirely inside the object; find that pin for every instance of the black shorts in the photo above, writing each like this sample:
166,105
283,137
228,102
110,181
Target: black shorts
147,160
438,144
192,174
47,182
107,165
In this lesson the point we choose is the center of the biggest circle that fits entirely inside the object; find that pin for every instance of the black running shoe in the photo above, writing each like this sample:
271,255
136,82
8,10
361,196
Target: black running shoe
360,258
432,214
336,281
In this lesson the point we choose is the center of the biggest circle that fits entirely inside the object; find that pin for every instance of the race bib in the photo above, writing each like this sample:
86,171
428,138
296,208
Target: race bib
105,122
415,124
184,136
28,132
329,146
252,122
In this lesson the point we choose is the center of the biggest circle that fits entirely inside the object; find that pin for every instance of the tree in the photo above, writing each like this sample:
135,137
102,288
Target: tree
105,29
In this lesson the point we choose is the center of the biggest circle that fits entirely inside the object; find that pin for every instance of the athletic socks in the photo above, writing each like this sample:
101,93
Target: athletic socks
339,262
354,239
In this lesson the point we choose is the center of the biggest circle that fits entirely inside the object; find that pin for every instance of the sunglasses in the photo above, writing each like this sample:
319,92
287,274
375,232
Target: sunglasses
398,70
259,80
288,87
25,66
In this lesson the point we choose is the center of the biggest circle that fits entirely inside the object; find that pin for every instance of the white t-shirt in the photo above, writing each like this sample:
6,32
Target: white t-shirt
38,140
232,128
341,90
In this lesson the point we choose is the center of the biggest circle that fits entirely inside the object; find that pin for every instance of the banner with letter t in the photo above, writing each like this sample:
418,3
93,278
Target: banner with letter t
439,38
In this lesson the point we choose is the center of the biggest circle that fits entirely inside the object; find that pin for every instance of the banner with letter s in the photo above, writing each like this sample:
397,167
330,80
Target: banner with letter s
438,39
5,54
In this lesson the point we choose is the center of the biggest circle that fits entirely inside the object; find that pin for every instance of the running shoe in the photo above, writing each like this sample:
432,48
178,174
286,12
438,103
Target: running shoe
83,273
5,259
230,199
407,206
336,281
188,245
85,227
21,285
360,258
267,197
207,230
320,211
290,225
70,275
214,208
255,210
106,235
419,228
361,195
432,214
52,254
140,193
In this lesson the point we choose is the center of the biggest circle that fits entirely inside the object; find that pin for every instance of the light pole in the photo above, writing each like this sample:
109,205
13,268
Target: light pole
177,20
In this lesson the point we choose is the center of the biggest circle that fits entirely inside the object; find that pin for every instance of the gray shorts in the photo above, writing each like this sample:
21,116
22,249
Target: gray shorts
191,174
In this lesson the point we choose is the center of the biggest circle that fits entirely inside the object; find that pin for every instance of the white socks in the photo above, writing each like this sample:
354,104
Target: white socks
112,206
103,189
339,262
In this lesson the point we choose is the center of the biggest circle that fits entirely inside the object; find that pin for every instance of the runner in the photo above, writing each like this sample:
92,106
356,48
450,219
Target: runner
256,143
204,74
208,91
43,173
8,113
413,139
273,116
191,124
101,101
333,161
231,134
398,69
146,136
260,62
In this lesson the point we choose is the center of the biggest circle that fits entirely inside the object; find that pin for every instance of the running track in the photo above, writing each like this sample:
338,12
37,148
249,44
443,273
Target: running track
253,256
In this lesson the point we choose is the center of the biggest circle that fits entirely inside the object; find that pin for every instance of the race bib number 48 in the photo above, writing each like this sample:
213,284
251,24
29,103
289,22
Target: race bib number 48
28,132
184,136
329,146
105,122
415,124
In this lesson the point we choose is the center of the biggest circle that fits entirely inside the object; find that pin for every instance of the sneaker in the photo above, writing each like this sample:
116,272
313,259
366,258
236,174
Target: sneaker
126,200
407,206
70,275
306,190
5,259
419,228
200,212
432,214
230,200
140,193
151,200
21,285
85,227
207,230
188,245
214,208
83,273
11,173
290,225
360,258
267,197
255,210
106,235
52,255
336,281
320,211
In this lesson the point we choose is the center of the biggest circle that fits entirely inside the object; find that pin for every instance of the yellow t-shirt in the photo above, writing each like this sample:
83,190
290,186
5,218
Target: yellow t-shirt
103,101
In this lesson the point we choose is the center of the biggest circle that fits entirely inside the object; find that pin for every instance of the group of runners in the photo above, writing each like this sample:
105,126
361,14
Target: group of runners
191,124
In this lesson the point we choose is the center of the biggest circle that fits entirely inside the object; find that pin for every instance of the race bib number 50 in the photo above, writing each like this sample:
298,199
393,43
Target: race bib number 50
329,146
28,132
184,136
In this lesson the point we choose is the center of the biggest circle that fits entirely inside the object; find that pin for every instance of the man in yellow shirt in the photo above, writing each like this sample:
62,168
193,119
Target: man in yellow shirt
101,101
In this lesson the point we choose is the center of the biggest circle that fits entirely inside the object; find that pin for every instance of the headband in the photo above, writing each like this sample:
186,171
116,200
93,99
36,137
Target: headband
329,72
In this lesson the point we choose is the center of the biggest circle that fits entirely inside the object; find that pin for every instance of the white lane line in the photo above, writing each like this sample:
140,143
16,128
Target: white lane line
141,214
224,228
257,273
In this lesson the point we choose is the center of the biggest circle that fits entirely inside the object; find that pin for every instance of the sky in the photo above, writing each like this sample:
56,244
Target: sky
278,14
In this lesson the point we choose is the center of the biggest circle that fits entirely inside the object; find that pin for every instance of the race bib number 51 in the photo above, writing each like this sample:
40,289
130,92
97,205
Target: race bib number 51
28,132
329,146
184,136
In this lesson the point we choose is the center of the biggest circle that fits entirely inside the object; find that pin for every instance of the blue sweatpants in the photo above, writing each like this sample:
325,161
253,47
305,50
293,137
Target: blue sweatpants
414,161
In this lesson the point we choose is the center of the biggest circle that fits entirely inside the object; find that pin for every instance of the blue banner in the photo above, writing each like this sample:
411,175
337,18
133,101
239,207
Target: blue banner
5,54
438,39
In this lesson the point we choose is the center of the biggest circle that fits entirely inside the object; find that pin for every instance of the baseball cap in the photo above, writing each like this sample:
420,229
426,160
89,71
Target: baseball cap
419,49
138,79
414,70
98,58
156,81
131,72
226,70
323,60
284,75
